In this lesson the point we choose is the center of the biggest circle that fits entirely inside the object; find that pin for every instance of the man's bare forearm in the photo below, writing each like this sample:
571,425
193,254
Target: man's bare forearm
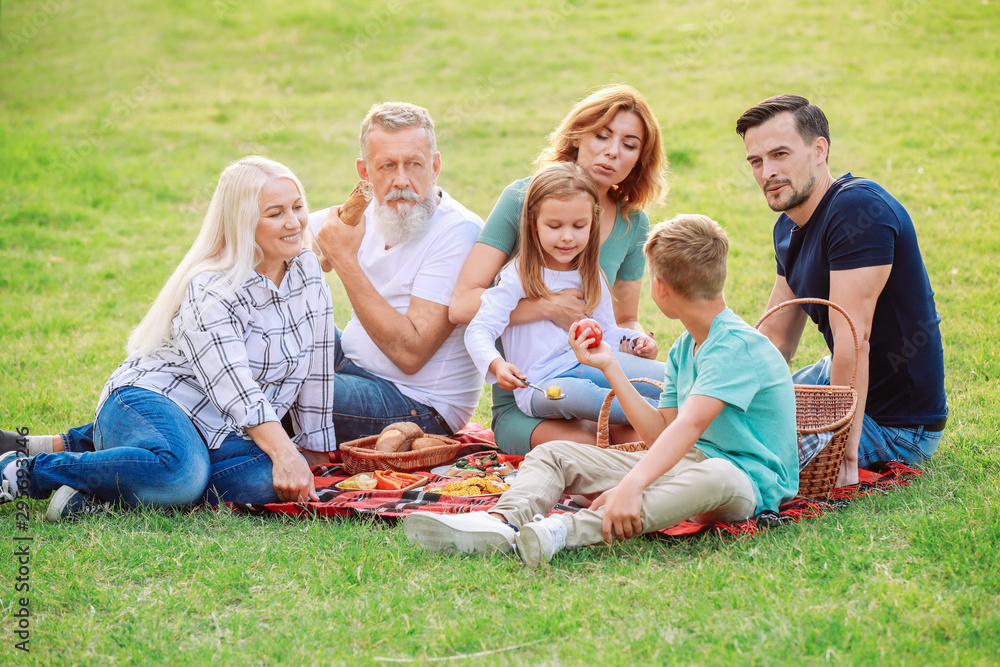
390,330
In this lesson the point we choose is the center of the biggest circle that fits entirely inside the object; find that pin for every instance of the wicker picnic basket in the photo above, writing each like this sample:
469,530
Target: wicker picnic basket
360,455
823,409
603,428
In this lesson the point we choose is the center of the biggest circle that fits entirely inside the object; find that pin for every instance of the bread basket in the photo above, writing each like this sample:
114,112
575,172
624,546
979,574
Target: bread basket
360,455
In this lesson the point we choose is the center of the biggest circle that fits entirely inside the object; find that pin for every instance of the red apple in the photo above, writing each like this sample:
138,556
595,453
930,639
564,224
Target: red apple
595,331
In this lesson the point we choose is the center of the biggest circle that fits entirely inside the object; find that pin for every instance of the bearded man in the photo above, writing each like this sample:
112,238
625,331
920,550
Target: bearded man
400,358
851,242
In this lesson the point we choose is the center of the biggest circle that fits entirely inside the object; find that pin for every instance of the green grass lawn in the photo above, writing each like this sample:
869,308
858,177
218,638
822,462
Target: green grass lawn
115,120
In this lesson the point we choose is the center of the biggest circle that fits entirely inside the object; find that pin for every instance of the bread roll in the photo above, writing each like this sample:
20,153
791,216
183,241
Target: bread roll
398,437
426,443
409,429
391,440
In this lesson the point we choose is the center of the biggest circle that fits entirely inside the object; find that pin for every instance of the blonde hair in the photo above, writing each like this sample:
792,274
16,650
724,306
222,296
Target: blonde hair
225,243
395,116
688,253
561,180
644,185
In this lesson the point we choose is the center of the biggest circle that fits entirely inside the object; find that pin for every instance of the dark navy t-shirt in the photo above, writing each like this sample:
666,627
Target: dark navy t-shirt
858,224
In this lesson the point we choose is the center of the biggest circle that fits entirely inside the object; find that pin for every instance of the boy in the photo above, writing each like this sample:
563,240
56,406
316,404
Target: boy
724,442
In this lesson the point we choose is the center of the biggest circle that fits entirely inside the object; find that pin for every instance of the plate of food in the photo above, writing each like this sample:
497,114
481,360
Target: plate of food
485,485
382,480
489,463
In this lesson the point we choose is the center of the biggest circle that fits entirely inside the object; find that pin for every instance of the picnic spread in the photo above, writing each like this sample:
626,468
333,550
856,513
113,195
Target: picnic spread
475,445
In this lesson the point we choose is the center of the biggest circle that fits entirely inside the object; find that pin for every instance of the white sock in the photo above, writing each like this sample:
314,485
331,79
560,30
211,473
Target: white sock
39,444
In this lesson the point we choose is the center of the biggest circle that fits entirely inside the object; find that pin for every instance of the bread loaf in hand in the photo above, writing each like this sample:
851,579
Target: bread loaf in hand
350,213
351,210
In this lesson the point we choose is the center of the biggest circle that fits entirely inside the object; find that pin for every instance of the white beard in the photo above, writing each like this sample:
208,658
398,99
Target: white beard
406,222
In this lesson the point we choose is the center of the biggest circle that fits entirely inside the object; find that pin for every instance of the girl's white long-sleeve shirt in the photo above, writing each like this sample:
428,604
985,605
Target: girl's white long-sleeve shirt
540,349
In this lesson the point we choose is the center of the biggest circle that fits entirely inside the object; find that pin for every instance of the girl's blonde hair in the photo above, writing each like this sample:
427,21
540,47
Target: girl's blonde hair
645,184
225,243
561,180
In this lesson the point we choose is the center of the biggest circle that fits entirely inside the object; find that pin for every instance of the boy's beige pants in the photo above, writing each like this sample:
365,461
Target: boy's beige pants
710,489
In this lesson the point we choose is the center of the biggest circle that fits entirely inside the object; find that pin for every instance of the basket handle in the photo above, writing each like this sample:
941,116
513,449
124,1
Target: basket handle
603,436
830,304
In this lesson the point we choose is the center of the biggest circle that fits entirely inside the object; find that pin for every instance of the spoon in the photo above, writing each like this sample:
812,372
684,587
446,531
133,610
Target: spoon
537,388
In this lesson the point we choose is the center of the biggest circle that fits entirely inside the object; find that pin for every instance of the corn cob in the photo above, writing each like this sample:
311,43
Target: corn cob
473,486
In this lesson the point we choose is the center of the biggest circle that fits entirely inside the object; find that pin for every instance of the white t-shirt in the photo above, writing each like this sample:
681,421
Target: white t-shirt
426,268
541,348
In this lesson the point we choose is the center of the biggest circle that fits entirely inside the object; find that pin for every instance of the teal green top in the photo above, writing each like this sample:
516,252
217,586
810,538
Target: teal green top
621,258
756,429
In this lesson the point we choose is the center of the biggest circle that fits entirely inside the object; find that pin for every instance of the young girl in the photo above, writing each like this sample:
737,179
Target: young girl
560,242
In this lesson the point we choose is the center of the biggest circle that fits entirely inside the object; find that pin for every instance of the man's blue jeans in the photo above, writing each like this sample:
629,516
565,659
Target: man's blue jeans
364,403
143,450
878,443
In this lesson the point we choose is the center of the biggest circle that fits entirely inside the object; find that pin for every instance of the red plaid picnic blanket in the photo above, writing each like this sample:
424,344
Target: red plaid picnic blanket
881,478
391,505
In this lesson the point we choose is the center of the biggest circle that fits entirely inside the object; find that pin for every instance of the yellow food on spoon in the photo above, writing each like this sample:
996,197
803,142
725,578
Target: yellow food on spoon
554,391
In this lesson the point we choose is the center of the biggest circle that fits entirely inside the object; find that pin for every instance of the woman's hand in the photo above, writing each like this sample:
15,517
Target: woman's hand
509,376
565,307
622,512
292,479
290,474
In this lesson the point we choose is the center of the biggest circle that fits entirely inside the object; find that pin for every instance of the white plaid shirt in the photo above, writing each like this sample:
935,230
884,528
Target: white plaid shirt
249,359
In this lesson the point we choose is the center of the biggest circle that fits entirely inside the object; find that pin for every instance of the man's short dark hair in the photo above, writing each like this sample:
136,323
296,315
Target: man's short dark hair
810,120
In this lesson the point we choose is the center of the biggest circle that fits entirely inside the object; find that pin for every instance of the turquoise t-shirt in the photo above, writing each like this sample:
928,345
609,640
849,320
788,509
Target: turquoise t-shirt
756,429
621,258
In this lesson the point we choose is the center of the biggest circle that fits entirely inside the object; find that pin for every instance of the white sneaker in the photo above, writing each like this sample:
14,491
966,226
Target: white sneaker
470,533
68,504
540,540
9,488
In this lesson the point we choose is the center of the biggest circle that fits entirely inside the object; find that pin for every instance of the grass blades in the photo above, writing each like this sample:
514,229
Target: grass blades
115,120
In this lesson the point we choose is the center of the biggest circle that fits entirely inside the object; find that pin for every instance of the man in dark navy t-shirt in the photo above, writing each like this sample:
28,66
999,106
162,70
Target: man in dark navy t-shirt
850,241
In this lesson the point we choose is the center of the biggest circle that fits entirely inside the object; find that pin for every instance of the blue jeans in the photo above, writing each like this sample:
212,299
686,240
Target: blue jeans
585,389
878,443
143,450
365,403
143,454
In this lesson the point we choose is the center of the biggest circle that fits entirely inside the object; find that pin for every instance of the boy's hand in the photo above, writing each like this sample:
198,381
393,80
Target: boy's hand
508,375
622,510
600,357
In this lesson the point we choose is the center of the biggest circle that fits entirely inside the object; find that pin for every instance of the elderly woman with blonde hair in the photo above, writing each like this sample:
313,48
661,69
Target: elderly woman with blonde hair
241,335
